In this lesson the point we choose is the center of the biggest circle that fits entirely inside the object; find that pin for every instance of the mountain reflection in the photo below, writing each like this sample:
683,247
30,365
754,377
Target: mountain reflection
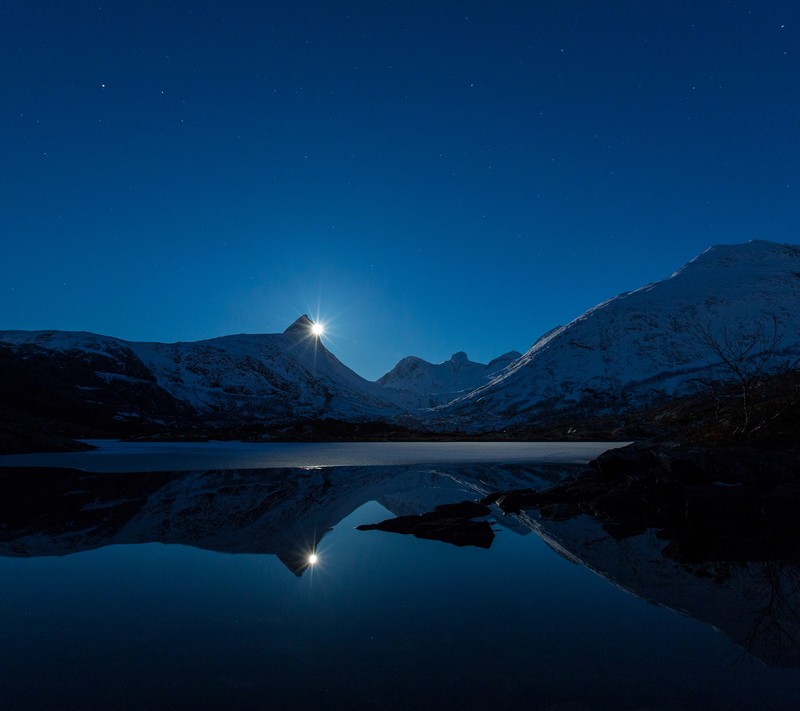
288,512
756,604
284,512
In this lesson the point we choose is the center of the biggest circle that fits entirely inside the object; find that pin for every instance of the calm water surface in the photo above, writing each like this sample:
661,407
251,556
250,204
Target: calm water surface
191,588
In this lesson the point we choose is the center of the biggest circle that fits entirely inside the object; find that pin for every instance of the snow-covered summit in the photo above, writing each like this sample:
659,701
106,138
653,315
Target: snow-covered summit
753,254
301,328
647,343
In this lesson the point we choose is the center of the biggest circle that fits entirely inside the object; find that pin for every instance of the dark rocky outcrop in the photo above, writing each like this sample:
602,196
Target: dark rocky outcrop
21,433
734,504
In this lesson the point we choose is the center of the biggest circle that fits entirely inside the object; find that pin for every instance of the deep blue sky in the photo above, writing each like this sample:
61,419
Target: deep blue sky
429,176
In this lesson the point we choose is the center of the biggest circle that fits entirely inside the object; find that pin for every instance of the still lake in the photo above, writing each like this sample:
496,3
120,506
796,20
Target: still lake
151,576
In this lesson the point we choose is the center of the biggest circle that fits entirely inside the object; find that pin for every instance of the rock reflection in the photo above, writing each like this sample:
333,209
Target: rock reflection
449,523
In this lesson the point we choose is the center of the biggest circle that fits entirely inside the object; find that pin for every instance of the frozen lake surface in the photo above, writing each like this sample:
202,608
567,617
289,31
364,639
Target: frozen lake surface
118,456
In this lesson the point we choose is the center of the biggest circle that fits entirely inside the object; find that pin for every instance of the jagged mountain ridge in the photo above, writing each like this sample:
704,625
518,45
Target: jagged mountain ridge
648,344
434,384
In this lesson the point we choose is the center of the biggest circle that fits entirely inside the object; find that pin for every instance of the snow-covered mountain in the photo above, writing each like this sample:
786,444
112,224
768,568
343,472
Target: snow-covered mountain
265,378
432,384
655,341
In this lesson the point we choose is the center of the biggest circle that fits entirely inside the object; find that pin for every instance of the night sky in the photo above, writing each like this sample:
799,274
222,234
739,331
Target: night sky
427,177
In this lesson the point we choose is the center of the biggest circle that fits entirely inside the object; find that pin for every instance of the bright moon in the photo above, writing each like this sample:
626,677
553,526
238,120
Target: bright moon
317,329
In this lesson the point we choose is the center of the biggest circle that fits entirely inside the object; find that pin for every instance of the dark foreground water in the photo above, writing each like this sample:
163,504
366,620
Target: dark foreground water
193,589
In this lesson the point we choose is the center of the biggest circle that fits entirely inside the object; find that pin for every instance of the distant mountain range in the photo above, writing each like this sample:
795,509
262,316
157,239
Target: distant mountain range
437,384
661,340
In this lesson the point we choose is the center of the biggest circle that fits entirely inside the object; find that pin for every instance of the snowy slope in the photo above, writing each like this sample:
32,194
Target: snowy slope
436,384
647,343
268,377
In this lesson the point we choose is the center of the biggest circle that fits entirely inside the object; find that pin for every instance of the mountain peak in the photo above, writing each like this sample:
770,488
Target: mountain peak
301,327
460,357
755,252
505,358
